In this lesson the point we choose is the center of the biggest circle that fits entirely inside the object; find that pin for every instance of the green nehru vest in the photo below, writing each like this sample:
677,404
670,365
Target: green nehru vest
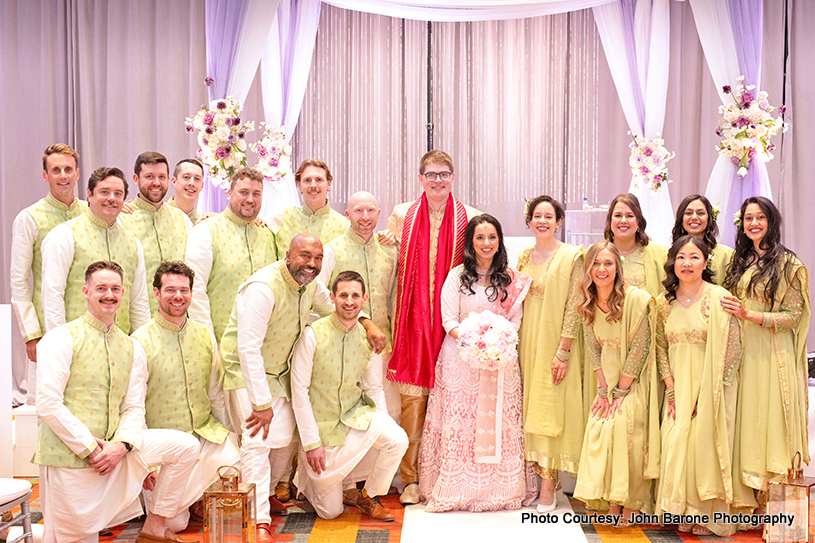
337,401
239,249
325,223
292,306
163,236
179,362
375,263
194,215
100,374
95,240
47,213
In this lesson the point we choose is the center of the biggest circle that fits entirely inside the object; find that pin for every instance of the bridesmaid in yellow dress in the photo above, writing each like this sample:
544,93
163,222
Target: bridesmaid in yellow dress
551,367
698,355
620,455
643,259
695,216
770,290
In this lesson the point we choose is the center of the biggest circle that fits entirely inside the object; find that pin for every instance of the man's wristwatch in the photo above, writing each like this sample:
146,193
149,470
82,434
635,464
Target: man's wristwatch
128,446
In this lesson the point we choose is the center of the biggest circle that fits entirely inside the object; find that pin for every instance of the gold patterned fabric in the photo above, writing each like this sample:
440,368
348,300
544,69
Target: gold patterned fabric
721,254
239,249
163,236
100,374
95,240
47,213
292,307
325,223
771,423
194,215
179,363
644,268
337,401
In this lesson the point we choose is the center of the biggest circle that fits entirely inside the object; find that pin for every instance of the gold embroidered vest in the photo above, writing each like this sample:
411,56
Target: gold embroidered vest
179,362
337,401
375,263
292,306
95,240
163,236
47,213
325,223
100,375
239,249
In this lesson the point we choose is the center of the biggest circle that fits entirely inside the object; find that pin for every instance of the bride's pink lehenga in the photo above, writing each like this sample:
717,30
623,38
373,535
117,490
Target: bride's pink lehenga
450,476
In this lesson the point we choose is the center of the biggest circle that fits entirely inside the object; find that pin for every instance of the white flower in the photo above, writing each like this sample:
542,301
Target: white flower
742,171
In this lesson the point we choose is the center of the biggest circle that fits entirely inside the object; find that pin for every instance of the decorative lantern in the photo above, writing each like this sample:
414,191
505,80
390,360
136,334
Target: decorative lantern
794,496
229,509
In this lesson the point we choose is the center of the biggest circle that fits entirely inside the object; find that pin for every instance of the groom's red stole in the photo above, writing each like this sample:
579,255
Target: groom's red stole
417,342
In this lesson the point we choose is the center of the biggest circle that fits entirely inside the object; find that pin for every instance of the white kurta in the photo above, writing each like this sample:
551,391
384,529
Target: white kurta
77,503
324,490
57,255
198,256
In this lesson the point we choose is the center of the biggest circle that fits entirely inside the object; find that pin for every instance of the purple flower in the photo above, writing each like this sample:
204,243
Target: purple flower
639,159
231,138
241,135
734,160
209,130
751,154
719,131
236,121
230,121
747,99
727,89
657,160
262,151
771,147
648,151
209,81
221,105
189,129
782,109
274,150
222,152
734,125
205,141
209,118
742,121
644,170
274,163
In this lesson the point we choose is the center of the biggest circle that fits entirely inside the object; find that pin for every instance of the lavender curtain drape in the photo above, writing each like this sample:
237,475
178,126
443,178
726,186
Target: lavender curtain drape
731,33
636,38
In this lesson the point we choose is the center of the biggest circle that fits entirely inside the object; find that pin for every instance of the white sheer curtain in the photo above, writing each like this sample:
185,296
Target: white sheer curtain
636,39
285,69
515,103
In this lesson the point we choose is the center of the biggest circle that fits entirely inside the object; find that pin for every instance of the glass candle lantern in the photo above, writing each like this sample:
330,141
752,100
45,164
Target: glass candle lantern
793,497
229,509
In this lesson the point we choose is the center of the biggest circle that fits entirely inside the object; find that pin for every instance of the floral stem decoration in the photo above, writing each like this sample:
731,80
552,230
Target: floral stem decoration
274,156
648,162
221,138
487,341
747,126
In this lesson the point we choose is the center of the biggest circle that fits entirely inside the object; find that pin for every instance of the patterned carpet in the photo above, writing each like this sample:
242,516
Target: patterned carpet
303,526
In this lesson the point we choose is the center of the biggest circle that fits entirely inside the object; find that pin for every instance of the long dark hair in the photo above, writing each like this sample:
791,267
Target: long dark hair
775,263
500,277
671,280
711,230
634,204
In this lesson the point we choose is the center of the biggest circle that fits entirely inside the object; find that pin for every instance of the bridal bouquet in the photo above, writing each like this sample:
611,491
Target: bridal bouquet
274,156
487,341
647,161
221,138
747,126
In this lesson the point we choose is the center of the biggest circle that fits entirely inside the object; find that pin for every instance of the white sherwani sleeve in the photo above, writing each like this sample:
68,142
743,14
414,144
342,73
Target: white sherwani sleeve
322,304
23,235
56,352
254,304
451,300
301,366
199,258
329,262
139,304
274,222
371,382
216,390
57,255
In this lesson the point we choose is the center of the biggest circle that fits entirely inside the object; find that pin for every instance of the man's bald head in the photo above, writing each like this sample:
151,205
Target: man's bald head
304,259
363,212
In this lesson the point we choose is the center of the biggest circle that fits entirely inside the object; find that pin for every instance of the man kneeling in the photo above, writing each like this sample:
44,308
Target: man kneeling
339,405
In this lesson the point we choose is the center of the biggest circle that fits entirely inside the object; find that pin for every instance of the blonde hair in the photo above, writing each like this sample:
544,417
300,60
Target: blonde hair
588,290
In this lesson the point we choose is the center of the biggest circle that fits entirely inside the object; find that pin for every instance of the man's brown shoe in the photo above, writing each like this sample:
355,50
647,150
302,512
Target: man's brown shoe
276,508
351,496
264,533
283,491
169,537
374,509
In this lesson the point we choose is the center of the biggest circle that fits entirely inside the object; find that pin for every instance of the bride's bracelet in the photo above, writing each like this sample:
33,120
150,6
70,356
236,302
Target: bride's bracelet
670,393
602,392
562,355
619,393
